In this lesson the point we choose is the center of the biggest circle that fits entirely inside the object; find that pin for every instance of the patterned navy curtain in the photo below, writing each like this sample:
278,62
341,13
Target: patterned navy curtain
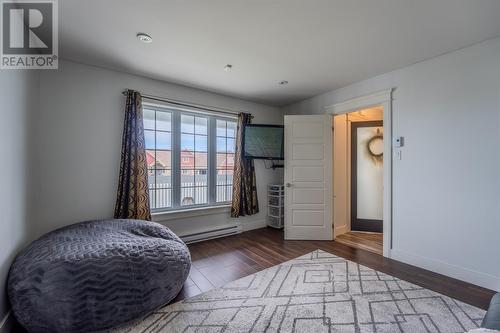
245,200
132,201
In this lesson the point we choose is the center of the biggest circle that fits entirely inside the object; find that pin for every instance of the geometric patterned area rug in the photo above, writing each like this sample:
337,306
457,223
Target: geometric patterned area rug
318,292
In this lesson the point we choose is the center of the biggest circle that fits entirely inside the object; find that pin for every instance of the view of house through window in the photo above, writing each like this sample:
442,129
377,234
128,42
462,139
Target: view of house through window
190,158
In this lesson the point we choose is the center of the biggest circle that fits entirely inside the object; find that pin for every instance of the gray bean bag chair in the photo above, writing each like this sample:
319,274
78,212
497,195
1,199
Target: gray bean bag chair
94,275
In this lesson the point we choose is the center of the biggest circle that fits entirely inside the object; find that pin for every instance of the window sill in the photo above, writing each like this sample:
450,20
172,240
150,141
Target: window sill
190,212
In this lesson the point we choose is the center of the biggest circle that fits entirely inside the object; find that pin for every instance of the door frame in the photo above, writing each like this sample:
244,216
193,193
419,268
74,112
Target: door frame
383,99
365,224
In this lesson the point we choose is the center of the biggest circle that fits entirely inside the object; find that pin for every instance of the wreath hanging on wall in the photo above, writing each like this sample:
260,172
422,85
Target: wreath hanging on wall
375,147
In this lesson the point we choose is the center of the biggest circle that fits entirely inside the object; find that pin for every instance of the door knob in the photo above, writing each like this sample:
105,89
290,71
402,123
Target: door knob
288,185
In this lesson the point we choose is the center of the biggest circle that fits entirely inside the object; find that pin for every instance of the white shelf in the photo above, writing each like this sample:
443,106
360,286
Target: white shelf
275,205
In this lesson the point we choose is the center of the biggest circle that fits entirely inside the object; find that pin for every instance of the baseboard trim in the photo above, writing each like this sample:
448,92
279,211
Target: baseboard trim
7,323
478,278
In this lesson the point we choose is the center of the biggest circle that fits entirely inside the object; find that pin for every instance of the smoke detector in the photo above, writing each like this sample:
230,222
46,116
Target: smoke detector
145,38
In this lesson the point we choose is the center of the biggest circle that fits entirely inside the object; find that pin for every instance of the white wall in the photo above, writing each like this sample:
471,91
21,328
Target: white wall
19,95
78,144
446,188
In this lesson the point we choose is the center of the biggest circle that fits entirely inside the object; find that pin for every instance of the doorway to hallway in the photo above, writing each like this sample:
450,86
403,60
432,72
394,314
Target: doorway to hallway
358,178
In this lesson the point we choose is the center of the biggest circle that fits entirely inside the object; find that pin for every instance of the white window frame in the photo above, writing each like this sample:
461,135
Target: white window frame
212,118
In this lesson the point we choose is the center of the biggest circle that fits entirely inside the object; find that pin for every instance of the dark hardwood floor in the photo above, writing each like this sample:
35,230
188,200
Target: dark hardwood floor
369,241
218,261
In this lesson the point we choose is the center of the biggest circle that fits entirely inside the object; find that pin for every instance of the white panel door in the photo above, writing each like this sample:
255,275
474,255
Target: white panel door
308,177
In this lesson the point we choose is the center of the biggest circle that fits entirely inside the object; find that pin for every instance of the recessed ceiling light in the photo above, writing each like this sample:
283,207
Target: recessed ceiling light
283,83
228,68
145,38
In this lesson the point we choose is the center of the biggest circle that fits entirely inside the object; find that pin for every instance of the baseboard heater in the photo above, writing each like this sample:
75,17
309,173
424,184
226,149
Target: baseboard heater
212,233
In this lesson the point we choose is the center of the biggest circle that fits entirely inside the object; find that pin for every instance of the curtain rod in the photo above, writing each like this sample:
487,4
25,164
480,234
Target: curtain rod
180,103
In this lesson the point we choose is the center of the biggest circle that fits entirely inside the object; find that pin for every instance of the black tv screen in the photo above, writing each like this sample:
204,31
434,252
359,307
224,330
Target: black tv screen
263,142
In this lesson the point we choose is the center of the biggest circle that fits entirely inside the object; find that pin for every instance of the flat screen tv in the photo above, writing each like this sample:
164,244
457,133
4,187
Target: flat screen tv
263,142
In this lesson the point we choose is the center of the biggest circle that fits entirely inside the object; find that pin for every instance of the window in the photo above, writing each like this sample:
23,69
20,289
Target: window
226,134
190,158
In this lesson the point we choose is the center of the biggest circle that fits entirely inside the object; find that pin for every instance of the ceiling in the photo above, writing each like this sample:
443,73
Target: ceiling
316,45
